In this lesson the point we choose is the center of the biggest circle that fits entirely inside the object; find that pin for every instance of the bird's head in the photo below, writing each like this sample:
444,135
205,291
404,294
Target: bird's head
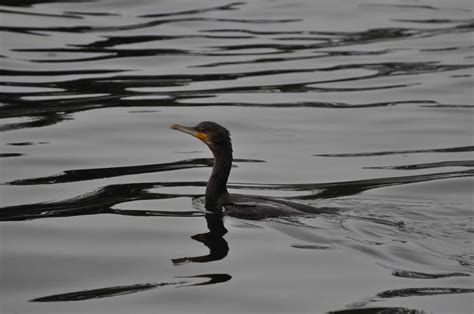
211,133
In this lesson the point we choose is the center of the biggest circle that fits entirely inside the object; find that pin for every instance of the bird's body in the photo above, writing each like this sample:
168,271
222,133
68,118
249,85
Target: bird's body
260,207
218,199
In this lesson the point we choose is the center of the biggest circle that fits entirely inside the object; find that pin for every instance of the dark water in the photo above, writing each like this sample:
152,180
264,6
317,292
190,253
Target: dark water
363,109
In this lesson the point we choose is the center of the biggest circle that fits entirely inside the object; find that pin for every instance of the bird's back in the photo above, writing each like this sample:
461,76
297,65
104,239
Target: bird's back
260,207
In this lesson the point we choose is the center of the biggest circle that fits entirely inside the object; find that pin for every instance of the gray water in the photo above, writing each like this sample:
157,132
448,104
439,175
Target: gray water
363,108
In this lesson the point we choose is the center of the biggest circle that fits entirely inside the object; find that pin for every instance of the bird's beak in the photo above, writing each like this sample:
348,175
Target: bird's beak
191,131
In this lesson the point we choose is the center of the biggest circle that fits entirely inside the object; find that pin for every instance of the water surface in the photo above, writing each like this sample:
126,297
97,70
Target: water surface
360,108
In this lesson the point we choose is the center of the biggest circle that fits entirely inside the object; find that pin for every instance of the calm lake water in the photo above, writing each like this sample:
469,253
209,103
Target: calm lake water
364,108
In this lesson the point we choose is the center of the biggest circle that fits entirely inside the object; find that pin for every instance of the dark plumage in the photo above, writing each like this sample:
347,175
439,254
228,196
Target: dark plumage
218,199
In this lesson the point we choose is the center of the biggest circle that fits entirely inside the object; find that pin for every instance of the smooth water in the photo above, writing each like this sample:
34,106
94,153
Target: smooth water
363,108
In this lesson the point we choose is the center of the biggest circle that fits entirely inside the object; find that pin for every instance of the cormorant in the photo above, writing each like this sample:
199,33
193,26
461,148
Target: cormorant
218,199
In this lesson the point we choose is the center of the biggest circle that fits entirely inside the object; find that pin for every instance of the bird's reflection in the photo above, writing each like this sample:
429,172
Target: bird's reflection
218,247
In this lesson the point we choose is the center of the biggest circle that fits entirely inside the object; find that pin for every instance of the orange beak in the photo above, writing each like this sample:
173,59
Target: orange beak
191,131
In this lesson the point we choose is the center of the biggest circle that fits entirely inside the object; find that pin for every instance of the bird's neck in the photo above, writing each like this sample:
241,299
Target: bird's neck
216,191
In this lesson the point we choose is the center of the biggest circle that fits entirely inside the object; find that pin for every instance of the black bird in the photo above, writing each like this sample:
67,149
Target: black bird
218,199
